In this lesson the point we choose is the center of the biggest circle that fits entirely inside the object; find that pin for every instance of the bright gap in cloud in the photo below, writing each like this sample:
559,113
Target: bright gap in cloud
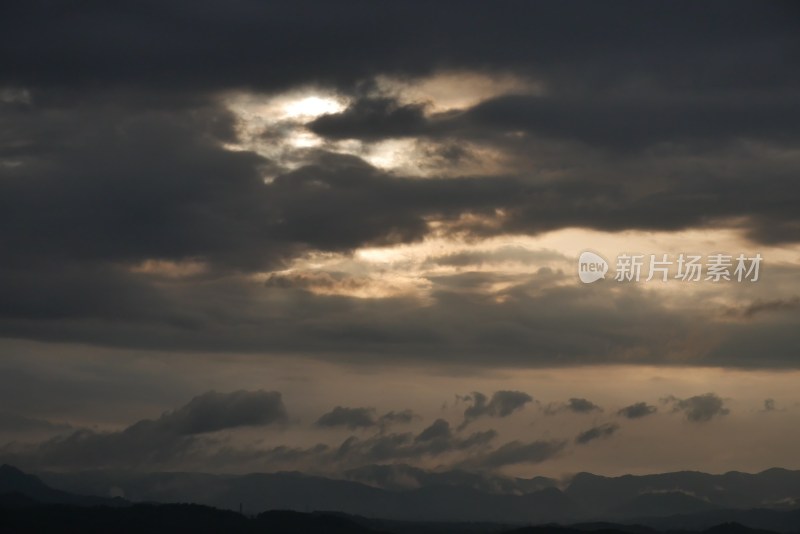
311,107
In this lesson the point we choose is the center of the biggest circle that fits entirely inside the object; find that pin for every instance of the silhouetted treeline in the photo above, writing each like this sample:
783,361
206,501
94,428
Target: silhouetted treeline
20,515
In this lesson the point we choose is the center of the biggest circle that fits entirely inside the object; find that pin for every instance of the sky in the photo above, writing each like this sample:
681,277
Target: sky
260,236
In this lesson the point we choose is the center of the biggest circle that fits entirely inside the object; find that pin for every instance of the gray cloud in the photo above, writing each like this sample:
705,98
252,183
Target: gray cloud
11,423
400,417
160,168
118,153
700,408
606,430
759,307
637,121
173,438
109,164
353,42
214,411
372,118
435,440
575,405
439,429
348,417
637,410
353,418
515,453
502,404
509,253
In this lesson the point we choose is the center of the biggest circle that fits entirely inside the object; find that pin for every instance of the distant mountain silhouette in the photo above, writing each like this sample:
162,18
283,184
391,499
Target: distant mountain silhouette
27,505
15,482
641,500
403,477
295,491
660,505
459,496
775,488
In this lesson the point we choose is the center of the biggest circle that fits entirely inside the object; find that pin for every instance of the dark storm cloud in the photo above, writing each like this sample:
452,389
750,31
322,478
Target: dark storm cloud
131,183
502,404
700,408
628,122
575,405
175,437
112,153
559,324
125,183
637,410
709,92
372,118
208,45
605,430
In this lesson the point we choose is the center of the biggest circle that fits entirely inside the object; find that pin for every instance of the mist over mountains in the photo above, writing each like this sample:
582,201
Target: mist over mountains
442,502
456,495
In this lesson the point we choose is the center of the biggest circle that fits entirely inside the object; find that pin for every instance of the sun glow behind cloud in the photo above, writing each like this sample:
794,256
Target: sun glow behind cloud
311,107
417,269
275,125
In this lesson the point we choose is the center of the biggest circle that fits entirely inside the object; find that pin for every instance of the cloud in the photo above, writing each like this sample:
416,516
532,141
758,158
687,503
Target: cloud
372,118
504,254
778,305
700,408
575,405
400,476
400,417
605,430
771,406
438,430
11,423
348,417
354,418
212,411
502,404
515,453
177,438
637,122
435,440
367,42
637,410
132,214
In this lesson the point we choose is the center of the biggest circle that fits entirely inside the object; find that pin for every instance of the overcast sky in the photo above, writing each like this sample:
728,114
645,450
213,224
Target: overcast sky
257,236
